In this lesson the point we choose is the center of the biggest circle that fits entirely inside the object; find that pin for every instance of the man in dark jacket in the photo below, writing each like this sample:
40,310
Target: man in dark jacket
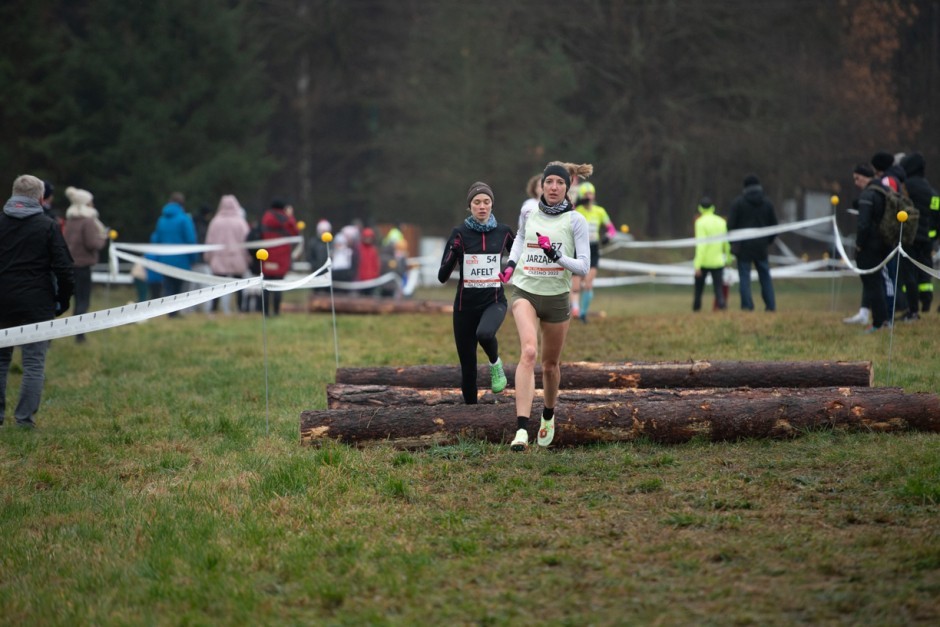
752,209
927,201
36,285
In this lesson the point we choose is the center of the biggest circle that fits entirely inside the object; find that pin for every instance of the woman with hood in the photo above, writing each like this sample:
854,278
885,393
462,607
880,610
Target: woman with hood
175,226
228,228
85,236
551,245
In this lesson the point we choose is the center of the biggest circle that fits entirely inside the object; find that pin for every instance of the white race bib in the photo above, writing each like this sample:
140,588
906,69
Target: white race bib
480,270
536,263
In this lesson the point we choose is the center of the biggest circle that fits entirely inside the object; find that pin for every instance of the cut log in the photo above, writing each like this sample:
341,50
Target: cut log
668,416
372,305
696,374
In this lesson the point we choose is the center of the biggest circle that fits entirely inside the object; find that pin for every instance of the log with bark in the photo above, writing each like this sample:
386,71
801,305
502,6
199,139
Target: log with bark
668,416
695,374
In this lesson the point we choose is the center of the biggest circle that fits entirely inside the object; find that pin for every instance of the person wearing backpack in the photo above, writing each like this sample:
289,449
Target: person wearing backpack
926,199
888,170
870,251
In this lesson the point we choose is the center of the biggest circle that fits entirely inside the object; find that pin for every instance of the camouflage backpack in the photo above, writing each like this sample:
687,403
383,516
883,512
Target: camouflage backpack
890,227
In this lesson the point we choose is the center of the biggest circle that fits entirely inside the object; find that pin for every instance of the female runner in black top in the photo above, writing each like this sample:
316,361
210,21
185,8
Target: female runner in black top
476,248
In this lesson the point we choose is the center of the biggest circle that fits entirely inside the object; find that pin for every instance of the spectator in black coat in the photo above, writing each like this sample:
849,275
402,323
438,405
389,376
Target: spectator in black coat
36,285
752,209
927,201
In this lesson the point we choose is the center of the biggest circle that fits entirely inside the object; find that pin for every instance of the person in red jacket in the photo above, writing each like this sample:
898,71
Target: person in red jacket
369,264
277,222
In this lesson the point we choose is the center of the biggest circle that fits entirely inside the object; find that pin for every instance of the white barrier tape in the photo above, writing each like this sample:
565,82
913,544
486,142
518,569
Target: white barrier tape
927,269
388,277
732,236
183,249
854,268
321,277
619,265
171,271
411,283
117,316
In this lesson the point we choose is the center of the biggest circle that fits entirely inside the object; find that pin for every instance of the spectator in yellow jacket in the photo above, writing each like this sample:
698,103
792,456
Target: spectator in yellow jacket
710,257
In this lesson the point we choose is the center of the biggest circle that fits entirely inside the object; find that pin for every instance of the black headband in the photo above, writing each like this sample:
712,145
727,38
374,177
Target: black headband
558,170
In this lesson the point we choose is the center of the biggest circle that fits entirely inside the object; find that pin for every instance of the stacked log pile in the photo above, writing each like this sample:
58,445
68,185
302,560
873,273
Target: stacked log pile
420,406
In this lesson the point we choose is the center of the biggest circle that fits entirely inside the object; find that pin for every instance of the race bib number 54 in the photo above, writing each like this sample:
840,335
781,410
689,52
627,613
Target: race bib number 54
480,270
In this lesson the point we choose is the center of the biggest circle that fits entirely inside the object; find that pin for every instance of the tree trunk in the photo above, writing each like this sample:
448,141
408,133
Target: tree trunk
697,374
668,416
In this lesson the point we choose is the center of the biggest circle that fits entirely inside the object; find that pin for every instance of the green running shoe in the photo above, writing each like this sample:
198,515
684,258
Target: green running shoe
497,377
546,432
521,441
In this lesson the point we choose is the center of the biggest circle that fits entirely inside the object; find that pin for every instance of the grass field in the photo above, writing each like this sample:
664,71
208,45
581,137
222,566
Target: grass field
160,488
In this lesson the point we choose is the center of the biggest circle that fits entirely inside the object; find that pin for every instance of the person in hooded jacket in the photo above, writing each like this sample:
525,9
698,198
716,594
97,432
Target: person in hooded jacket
228,228
36,283
927,201
277,222
174,226
475,248
710,257
369,266
85,236
753,209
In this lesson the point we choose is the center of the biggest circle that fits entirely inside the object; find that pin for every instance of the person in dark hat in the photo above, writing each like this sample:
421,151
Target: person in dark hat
551,245
918,284
753,209
48,197
474,249
861,176
870,249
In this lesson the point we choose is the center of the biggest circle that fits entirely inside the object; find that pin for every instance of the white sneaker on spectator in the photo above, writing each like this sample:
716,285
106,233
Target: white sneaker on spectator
860,318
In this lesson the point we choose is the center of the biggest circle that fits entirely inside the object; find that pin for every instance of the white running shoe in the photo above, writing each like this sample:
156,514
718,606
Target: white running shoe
521,441
546,432
860,318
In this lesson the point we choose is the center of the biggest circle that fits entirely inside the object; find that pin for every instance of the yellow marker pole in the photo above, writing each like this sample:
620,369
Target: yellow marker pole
326,238
262,256
834,201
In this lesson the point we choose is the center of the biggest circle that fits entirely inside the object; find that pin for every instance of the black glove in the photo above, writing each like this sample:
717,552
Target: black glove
60,308
605,239
456,245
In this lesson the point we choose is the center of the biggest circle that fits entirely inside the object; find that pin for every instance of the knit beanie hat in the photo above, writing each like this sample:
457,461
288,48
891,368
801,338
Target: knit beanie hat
864,169
479,188
751,179
558,170
914,163
881,161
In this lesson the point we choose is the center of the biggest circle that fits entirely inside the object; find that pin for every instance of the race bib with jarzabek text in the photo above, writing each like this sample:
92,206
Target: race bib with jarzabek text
536,263
480,270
